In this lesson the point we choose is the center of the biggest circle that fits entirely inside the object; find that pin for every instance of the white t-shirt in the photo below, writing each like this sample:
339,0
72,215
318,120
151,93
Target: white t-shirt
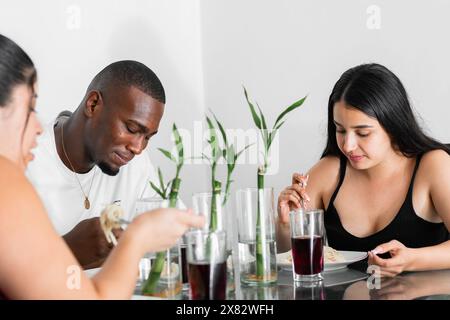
60,191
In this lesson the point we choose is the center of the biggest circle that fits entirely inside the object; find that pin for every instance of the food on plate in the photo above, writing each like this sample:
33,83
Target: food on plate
330,255
109,220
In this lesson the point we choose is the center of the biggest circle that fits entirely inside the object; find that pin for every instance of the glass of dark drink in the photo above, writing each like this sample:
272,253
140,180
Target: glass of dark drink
184,264
307,241
207,269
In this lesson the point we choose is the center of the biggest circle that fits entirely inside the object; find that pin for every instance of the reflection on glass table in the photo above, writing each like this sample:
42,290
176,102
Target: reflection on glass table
408,286
346,284
332,287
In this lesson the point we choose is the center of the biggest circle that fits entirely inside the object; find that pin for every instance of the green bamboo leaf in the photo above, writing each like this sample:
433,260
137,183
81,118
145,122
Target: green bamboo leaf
176,134
274,132
210,124
157,190
245,148
289,109
178,144
204,156
252,110
230,155
270,139
217,185
263,120
180,153
221,129
161,180
167,154
214,142
264,133
279,125
212,132
167,188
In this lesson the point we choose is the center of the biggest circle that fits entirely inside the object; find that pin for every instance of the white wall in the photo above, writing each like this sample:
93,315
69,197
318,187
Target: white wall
71,41
204,51
284,49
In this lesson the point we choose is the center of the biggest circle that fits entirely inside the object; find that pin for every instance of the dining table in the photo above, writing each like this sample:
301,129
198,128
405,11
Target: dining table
344,284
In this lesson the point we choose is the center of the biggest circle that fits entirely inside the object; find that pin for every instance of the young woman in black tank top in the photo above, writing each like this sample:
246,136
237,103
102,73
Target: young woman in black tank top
382,182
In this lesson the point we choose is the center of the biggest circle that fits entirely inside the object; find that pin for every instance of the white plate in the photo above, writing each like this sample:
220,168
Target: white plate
350,257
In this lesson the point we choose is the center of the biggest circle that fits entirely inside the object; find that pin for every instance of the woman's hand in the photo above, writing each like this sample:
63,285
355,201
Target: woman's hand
401,258
293,197
160,229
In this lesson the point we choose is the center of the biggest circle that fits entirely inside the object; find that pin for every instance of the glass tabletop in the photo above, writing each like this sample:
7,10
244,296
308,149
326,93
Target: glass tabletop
344,284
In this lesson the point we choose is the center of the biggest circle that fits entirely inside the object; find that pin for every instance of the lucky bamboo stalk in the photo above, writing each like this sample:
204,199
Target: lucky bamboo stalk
231,155
267,137
155,272
216,186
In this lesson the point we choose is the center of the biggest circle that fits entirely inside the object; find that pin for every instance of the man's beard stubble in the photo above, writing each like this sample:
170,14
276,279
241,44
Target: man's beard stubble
106,169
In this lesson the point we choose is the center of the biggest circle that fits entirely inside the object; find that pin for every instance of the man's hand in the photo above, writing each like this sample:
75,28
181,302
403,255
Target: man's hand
88,243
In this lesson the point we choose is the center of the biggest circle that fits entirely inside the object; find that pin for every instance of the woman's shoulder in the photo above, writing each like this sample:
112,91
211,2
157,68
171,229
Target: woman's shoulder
325,173
328,165
434,168
435,161
13,183
436,154
323,178
8,170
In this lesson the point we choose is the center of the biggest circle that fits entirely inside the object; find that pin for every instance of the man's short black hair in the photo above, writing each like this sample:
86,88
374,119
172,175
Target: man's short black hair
129,73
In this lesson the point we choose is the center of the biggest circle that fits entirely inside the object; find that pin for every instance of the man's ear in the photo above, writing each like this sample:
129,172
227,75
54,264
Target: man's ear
93,100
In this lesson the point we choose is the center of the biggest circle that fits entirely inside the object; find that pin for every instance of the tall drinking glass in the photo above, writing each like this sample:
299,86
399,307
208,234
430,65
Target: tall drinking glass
307,233
170,282
256,236
221,217
206,256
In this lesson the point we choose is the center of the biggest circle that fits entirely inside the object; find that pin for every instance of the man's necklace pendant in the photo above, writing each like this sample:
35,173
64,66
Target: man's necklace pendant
87,204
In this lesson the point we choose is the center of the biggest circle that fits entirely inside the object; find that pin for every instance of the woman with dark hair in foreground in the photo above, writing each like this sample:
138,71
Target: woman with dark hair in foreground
36,263
383,183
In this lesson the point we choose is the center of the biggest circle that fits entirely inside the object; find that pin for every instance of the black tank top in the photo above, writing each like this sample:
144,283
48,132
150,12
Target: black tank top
406,227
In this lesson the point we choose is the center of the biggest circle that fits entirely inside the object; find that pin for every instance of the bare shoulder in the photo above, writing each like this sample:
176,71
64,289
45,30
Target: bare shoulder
16,190
10,174
27,238
324,176
327,167
434,171
435,162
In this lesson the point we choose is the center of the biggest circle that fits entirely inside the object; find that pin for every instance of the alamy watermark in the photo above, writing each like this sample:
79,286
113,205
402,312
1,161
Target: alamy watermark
73,21
73,281
196,146
374,19
374,280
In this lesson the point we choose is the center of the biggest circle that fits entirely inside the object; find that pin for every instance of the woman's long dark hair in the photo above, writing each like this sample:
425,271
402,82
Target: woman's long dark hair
376,91
16,68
